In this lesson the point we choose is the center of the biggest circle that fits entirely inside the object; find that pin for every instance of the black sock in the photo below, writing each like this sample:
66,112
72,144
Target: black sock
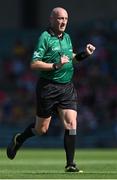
69,145
26,134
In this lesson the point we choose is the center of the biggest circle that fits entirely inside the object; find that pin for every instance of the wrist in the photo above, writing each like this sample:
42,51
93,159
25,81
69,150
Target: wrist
82,55
57,66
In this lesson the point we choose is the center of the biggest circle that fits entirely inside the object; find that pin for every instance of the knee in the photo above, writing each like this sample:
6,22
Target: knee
71,124
41,130
42,125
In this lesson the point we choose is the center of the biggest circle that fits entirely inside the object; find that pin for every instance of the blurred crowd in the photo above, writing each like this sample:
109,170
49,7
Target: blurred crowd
95,80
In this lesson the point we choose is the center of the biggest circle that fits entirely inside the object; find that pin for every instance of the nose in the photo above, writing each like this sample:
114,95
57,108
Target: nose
65,20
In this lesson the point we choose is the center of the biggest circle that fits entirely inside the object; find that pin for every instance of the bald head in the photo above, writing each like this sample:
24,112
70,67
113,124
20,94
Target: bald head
58,10
58,19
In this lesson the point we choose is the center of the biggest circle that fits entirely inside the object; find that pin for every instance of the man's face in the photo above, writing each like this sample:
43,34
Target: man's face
59,21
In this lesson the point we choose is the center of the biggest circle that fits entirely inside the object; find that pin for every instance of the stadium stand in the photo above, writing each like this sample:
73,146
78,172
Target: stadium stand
95,80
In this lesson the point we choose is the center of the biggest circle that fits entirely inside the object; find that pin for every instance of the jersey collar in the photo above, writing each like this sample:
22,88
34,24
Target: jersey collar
51,32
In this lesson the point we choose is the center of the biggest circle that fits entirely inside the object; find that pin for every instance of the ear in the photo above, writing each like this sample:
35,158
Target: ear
51,20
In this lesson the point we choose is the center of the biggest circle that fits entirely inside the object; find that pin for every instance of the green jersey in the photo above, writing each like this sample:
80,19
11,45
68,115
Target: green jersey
49,49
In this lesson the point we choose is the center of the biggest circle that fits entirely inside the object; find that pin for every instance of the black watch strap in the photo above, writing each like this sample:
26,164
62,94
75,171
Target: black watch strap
56,66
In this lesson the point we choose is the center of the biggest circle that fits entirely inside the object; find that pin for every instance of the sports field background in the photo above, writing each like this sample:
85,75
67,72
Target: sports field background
95,80
49,164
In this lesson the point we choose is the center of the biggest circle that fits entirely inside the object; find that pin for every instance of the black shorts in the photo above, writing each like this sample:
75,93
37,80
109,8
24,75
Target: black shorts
50,95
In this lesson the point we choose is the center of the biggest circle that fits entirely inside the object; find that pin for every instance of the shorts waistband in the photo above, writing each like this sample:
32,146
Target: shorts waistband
53,82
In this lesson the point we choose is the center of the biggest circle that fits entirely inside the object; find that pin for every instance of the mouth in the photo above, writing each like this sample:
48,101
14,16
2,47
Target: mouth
62,27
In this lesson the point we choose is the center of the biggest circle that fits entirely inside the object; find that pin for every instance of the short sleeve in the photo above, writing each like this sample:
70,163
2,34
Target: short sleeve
40,49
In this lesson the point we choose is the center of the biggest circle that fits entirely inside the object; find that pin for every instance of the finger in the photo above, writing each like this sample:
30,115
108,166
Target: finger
91,47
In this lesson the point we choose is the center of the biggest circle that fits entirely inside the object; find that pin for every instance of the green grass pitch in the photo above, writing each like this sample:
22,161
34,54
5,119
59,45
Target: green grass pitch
49,164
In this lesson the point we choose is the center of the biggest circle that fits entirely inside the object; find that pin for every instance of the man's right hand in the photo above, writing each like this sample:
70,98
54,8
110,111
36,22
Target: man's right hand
64,59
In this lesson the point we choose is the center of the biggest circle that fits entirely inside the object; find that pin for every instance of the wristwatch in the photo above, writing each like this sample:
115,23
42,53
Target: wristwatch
57,66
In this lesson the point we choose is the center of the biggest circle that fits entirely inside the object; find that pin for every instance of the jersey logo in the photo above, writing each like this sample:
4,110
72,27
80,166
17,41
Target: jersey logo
55,48
36,54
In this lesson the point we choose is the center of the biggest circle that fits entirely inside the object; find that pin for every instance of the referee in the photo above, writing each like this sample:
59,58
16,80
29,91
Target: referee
53,57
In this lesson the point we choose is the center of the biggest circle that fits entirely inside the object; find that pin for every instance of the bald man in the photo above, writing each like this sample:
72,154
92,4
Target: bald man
53,58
